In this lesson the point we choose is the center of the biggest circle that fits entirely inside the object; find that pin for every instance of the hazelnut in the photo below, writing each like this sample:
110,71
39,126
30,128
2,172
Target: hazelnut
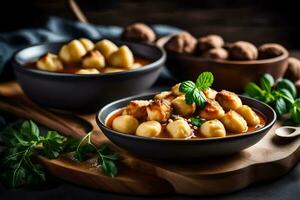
270,50
242,50
182,42
216,53
139,32
209,42
297,85
293,69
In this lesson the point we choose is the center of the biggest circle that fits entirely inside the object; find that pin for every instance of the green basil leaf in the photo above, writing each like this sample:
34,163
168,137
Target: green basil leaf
109,167
288,98
253,90
287,84
280,106
186,86
30,131
196,121
204,80
295,112
266,82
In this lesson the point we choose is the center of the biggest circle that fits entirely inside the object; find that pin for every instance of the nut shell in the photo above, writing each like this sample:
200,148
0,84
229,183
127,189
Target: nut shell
216,53
293,69
270,50
139,32
242,50
209,42
182,42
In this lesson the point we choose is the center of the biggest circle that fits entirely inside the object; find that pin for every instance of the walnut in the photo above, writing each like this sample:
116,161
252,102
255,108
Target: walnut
216,53
182,42
242,50
139,32
293,69
297,84
209,42
270,50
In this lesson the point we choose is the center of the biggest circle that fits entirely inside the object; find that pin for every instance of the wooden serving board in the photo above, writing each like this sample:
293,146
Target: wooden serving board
271,158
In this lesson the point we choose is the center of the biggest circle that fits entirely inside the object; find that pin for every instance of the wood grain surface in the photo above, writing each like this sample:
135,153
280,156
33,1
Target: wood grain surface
271,158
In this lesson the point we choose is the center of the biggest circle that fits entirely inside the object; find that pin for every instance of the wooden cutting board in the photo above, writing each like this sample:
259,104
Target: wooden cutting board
271,158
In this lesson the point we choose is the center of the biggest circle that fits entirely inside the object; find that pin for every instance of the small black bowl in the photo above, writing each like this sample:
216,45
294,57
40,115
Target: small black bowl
85,91
180,149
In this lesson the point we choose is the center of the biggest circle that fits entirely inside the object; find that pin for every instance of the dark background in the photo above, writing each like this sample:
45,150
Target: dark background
258,21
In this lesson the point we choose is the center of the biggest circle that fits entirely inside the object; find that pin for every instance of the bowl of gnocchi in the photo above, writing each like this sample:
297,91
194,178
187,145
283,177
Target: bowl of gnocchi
84,75
167,126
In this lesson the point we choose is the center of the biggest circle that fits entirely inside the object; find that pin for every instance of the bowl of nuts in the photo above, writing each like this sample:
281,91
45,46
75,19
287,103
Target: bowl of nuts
233,64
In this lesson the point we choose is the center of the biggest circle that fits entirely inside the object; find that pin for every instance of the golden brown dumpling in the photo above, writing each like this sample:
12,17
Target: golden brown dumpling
93,59
249,115
125,124
106,47
88,71
234,122
175,90
159,110
112,70
179,129
210,93
137,108
149,129
49,62
167,95
213,128
88,44
228,100
211,110
72,52
122,58
181,107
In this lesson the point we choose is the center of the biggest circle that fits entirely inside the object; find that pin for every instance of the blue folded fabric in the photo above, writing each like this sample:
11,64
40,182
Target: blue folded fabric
59,29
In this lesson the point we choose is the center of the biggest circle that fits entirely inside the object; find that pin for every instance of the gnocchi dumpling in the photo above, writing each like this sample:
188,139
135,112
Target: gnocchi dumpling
137,108
106,47
211,110
149,129
49,62
181,107
179,129
123,58
159,110
228,100
72,52
234,122
213,128
249,115
175,90
112,70
167,95
87,44
93,59
210,93
88,71
125,124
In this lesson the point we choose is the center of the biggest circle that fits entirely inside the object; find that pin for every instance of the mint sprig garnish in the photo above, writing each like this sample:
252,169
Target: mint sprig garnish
194,91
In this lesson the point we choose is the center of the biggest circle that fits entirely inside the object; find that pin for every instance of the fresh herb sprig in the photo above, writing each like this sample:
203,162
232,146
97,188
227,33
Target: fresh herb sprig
196,121
194,91
106,159
22,142
281,95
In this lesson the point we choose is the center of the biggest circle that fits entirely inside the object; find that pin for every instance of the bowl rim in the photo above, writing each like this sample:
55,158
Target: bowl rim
101,124
220,61
153,65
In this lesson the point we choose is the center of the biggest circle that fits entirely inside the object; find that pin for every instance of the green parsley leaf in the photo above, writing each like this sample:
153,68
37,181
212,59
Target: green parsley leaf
196,121
204,80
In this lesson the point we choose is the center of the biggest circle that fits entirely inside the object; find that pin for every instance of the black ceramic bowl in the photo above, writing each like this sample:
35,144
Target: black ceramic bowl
180,149
85,92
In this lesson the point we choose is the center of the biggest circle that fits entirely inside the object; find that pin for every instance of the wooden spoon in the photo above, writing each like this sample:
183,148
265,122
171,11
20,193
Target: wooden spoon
288,131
